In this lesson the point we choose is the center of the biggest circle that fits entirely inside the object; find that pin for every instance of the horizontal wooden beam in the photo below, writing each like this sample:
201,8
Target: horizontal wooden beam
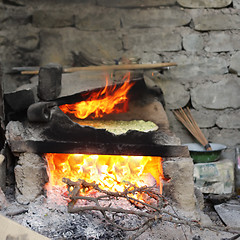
109,67
99,148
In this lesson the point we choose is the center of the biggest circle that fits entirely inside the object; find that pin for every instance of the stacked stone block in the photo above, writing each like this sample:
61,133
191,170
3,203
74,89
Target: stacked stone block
202,37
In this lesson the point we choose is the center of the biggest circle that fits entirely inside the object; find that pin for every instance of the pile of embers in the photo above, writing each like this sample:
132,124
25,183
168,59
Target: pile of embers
93,213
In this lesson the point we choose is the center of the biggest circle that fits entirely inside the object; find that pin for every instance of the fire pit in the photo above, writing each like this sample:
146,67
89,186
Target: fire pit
74,147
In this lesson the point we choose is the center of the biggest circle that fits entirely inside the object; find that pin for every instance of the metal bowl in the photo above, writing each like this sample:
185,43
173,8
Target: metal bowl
200,155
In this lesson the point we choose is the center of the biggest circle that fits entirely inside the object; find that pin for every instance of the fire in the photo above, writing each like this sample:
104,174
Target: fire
110,172
111,99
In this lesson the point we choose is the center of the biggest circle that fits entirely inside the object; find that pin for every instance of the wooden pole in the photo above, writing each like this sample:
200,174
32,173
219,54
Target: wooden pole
111,67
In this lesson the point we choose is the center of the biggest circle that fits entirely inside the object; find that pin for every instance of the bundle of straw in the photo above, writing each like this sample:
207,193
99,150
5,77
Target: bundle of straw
186,118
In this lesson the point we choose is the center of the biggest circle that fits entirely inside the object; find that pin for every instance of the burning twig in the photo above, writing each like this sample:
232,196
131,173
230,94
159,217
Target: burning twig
153,213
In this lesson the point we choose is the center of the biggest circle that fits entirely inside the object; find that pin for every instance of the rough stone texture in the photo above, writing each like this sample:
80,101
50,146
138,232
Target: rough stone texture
174,93
3,170
216,22
229,119
205,49
168,17
14,16
52,19
52,50
234,64
204,3
193,66
204,118
220,95
222,41
31,175
180,189
105,45
236,4
228,137
193,42
93,19
27,43
3,200
135,3
152,40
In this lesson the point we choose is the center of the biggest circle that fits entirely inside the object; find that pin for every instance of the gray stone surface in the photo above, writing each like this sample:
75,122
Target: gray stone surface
234,63
95,19
135,3
154,30
228,137
152,40
193,42
236,4
3,172
216,22
174,93
229,119
194,66
52,19
105,45
222,42
168,17
220,95
28,43
31,175
204,118
10,16
229,213
52,50
3,200
204,3
180,189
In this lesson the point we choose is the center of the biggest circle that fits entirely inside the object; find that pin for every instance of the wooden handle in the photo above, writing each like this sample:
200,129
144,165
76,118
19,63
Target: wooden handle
111,67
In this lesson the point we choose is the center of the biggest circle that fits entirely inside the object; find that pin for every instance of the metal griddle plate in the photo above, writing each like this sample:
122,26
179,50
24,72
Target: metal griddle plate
61,135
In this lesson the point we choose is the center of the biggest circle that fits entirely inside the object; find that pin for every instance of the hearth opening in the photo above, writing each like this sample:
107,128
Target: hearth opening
111,172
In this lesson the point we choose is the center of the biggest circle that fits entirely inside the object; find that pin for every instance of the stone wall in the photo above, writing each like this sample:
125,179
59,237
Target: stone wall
202,37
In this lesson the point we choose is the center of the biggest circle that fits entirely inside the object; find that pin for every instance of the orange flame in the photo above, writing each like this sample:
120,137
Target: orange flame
106,101
111,172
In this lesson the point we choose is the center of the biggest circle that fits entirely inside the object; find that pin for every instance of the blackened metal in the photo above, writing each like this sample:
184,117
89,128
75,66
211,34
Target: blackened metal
99,148
19,100
207,146
61,135
40,112
61,127
49,83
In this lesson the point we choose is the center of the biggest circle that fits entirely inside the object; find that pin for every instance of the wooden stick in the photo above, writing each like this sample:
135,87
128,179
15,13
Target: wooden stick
186,118
111,67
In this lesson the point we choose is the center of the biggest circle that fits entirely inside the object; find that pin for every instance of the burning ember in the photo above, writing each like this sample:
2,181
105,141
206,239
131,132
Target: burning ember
108,100
110,172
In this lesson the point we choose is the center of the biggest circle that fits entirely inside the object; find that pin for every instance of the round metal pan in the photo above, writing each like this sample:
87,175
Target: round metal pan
200,155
